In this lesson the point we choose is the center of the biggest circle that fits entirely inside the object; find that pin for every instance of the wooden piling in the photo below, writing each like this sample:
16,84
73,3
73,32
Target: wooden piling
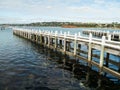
102,54
40,37
48,39
90,49
109,37
64,42
56,39
75,44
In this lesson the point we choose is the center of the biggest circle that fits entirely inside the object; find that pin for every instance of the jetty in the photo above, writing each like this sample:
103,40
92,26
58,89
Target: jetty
115,35
70,44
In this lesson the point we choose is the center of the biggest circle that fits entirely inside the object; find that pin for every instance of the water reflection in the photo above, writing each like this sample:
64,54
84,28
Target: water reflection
87,78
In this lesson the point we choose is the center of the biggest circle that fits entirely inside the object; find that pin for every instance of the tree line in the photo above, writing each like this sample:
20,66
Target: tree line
77,24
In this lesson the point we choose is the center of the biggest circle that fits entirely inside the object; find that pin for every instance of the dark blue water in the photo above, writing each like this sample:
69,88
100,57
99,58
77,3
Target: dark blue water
28,66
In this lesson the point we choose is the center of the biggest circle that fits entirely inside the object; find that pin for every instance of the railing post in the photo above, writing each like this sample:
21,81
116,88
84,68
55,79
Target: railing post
79,34
75,44
113,35
64,41
45,40
28,33
107,33
109,37
61,32
102,54
51,41
36,34
32,34
48,39
25,34
21,33
40,37
90,49
56,39
68,33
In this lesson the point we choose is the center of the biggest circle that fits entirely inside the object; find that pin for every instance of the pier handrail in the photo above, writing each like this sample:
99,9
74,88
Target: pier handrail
111,44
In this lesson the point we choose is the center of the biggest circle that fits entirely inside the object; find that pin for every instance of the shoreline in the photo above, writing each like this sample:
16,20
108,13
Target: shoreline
90,27
74,27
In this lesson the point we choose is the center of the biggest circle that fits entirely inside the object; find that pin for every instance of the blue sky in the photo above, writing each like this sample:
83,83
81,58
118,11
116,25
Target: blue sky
27,11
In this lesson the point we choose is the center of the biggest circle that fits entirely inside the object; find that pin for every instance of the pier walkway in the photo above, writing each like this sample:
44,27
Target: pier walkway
115,35
71,45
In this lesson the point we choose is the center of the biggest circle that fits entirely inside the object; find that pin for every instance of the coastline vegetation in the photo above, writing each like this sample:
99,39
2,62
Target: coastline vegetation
70,24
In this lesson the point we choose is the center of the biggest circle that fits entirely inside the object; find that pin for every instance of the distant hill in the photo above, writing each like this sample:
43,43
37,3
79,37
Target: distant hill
71,24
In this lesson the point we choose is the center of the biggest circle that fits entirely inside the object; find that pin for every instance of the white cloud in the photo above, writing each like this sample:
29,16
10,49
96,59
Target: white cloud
85,10
49,7
99,1
71,10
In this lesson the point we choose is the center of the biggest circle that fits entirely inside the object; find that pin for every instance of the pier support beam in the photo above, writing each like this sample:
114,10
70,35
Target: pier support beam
109,37
90,50
40,37
48,39
64,42
102,54
45,39
56,39
75,44
36,34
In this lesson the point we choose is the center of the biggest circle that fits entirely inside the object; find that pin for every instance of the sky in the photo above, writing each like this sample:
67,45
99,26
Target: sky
28,11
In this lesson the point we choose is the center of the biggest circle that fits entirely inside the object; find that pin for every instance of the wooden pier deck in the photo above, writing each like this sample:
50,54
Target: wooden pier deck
109,35
71,45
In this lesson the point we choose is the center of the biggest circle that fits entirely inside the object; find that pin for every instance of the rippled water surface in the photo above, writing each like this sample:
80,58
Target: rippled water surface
28,66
